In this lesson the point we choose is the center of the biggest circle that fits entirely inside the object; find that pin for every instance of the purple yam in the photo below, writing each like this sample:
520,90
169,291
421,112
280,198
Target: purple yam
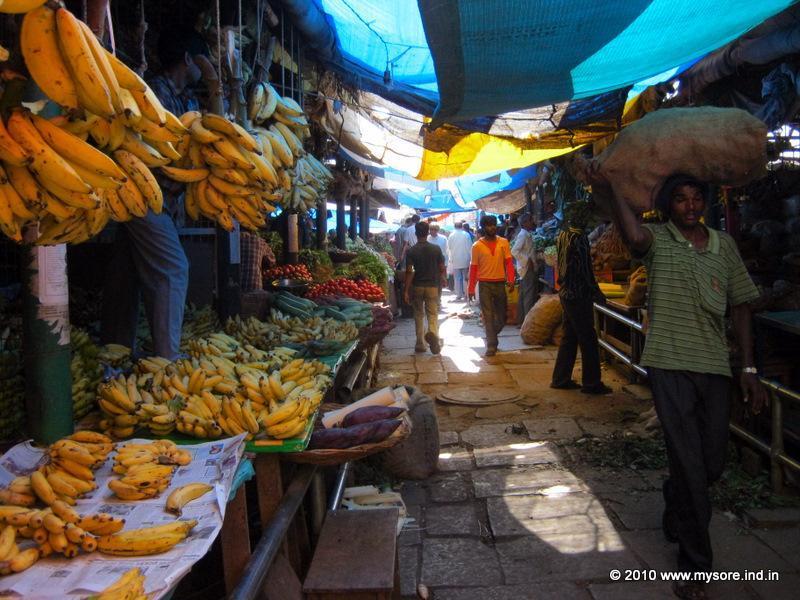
368,414
347,437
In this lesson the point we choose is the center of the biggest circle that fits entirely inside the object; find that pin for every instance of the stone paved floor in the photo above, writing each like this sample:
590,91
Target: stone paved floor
506,519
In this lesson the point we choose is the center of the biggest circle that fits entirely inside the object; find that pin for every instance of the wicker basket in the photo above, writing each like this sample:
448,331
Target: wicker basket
337,456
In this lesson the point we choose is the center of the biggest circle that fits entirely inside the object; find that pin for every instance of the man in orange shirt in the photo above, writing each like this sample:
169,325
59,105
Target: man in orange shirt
492,267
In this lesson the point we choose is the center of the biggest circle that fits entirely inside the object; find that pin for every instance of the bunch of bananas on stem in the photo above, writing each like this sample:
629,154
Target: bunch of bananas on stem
229,172
128,587
50,174
222,345
265,105
146,469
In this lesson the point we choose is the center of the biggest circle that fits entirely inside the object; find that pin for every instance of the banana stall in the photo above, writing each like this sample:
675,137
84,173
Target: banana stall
124,468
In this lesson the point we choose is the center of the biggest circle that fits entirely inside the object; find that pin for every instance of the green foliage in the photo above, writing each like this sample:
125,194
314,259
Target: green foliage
370,266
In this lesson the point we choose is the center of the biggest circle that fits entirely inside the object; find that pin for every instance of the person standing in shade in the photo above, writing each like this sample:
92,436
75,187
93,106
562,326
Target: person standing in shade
441,241
425,274
492,267
459,249
148,259
524,252
694,273
578,290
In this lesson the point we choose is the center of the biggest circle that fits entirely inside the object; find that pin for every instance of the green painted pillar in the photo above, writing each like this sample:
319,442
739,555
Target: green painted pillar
46,347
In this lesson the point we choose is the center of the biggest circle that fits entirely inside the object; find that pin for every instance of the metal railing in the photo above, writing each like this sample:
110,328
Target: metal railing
774,448
636,332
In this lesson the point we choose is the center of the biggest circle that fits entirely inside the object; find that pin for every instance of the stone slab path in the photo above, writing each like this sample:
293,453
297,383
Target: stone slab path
506,518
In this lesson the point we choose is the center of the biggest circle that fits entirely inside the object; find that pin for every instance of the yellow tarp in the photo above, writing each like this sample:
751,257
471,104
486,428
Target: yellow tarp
451,152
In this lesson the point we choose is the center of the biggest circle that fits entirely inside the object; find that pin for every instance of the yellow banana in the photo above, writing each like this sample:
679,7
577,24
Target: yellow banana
201,134
229,189
92,90
185,175
130,110
181,496
70,198
290,138
127,78
280,149
45,160
233,153
154,131
143,151
232,130
40,49
143,178
100,56
269,105
24,560
42,488
150,106
10,151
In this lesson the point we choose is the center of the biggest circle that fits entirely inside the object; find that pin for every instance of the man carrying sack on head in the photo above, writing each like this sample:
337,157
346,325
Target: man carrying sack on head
694,274
492,267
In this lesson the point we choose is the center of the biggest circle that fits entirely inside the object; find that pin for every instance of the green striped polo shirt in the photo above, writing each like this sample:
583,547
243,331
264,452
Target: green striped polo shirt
688,293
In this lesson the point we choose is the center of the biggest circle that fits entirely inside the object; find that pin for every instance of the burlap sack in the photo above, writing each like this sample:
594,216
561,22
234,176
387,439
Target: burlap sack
540,322
724,146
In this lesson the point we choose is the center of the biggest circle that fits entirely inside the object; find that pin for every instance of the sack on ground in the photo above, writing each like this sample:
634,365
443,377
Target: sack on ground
542,320
417,456
724,146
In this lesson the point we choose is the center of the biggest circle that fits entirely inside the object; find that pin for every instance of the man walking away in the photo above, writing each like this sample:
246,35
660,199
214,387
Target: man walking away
425,274
694,273
578,291
524,252
459,247
491,266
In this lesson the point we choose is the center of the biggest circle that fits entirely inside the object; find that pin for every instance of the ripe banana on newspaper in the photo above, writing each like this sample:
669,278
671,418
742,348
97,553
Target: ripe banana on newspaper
147,540
184,494
130,585
146,469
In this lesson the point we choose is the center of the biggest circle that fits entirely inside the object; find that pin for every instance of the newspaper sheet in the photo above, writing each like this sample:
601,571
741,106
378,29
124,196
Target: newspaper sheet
58,577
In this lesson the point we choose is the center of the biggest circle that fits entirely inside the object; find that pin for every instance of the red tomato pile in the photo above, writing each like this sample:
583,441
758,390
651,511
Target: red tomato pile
287,272
360,290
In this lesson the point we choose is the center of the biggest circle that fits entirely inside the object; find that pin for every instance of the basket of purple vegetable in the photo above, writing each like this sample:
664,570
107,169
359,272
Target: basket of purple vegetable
362,432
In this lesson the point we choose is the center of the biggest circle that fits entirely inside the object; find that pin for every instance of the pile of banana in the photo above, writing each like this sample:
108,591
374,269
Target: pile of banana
265,104
129,587
296,329
253,331
115,355
310,178
198,323
222,345
86,370
146,469
213,395
12,380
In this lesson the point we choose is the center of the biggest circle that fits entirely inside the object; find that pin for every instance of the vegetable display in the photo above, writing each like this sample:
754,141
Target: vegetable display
287,272
359,290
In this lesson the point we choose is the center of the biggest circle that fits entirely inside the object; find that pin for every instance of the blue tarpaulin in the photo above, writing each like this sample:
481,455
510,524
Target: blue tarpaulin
488,57
375,226
441,200
475,187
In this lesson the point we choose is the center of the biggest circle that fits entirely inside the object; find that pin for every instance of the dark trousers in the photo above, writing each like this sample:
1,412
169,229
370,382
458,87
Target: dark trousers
578,332
694,410
492,295
528,294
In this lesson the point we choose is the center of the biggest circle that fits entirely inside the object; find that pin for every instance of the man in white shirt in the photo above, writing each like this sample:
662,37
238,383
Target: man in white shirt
459,248
524,252
410,237
441,241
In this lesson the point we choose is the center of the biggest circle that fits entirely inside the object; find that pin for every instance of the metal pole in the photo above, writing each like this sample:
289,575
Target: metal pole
292,246
322,221
252,582
338,488
46,341
363,225
776,449
353,216
341,228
